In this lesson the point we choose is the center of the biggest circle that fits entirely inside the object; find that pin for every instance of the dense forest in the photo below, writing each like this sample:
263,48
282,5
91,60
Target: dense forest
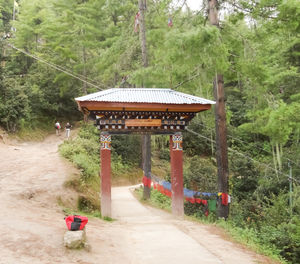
55,50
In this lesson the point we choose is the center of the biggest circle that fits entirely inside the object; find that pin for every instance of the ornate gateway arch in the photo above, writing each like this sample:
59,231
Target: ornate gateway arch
146,111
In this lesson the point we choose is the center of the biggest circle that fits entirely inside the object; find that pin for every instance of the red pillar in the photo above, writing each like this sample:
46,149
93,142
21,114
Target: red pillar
176,154
105,174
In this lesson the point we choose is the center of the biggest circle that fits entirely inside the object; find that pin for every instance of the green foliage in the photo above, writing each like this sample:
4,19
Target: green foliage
14,105
128,148
164,154
86,205
84,152
157,199
250,237
6,7
257,50
201,175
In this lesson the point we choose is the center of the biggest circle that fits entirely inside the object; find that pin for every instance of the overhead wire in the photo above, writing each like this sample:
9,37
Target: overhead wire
256,147
245,156
57,67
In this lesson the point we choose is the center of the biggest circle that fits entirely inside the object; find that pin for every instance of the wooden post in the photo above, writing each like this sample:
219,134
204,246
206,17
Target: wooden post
105,174
221,143
220,121
147,165
176,156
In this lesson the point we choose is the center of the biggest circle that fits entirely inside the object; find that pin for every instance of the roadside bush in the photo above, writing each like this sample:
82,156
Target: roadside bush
128,147
87,205
87,166
164,154
200,175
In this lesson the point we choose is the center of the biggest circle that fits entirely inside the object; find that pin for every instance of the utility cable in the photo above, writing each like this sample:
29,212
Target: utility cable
244,142
59,68
245,156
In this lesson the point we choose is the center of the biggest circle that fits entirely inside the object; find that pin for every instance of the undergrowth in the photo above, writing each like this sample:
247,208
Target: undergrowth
84,153
157,199
95,214
36,130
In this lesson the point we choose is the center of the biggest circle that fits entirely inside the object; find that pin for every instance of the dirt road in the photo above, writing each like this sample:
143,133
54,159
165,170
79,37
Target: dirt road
32,224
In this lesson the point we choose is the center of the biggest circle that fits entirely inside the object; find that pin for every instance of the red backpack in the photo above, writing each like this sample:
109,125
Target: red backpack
76,222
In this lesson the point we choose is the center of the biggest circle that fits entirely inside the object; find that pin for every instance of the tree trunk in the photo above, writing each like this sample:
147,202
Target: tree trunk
274,160
220,120
213,12
142,8
278,156
221,142
84,87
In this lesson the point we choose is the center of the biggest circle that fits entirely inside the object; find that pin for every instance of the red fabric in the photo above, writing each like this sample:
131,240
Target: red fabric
70,219
168,193
84,221
147,182
198,200
191,200
225,198
161,189
204,202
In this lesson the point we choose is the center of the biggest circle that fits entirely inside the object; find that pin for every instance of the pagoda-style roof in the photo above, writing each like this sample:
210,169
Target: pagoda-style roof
144,95
143,99
142,110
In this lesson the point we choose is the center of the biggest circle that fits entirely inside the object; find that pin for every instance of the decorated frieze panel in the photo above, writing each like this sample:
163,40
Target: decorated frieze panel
177,141
142,122
105,140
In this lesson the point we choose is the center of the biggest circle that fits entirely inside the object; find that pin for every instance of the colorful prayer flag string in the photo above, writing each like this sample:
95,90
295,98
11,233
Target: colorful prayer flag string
170,22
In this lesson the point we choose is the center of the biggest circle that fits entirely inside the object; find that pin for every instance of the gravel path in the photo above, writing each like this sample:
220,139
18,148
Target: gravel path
32,224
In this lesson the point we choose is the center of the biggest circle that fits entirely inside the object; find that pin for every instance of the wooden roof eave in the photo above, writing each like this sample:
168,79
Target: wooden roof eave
116,106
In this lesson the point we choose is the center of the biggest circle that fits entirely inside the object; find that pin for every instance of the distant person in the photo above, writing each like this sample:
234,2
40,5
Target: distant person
68,130
57,128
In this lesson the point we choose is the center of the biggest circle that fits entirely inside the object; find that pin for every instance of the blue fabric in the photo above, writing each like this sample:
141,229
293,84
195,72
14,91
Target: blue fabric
188,193
167,185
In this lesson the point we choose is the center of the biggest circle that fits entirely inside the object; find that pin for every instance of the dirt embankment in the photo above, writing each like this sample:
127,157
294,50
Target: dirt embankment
31,180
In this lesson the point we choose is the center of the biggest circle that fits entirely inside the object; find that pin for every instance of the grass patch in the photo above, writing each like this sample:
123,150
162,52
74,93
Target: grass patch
249,237
69,211
156,199
95,214
126,176
108,219
36,130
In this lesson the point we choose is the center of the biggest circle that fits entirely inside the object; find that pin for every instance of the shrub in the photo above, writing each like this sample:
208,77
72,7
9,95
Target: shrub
164,154
88,168
201,175
87,205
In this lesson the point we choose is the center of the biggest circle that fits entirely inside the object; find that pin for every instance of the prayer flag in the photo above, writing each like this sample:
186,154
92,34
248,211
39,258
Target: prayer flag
137,22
